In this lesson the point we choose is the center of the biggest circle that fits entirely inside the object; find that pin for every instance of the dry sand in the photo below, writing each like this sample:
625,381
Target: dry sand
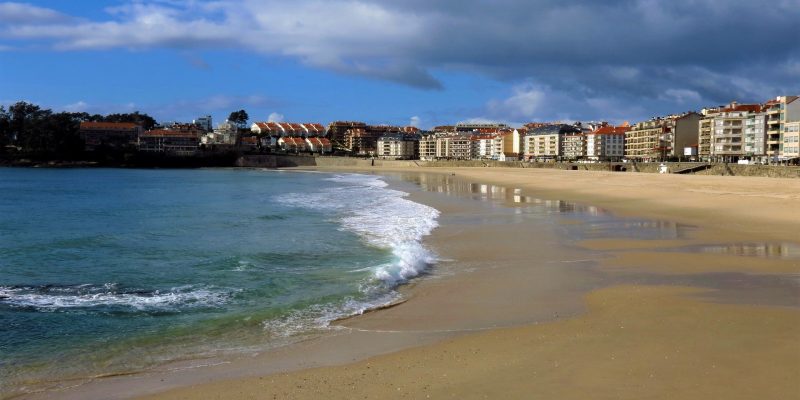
626,327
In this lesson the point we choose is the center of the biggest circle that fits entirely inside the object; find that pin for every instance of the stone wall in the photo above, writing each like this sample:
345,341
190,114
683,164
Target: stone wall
285,161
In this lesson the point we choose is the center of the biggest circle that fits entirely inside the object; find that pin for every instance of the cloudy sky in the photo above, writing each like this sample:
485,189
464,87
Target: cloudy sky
425,62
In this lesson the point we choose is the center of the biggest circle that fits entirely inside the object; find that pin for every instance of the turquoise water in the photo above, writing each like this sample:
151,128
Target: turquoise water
109,271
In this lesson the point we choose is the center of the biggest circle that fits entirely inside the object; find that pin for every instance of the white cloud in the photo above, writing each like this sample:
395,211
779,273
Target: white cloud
79,106
681,96
275,117
415,121
13,12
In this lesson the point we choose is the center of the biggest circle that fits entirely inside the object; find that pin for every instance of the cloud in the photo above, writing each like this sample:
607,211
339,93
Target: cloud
275,117
11,12
415,121
680,53
79,106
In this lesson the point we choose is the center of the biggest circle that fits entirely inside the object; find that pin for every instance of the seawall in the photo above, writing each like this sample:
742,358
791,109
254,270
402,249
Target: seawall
288,161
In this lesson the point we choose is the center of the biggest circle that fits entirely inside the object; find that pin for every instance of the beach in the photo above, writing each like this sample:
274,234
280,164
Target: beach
693,293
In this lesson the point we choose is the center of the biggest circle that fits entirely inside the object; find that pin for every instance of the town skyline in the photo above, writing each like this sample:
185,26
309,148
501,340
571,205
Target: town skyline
400,64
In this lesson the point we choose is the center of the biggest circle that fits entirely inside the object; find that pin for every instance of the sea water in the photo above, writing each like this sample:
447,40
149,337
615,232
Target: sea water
107,271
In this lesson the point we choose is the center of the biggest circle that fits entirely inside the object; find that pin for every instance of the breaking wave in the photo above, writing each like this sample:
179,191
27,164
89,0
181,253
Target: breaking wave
382,217
110,297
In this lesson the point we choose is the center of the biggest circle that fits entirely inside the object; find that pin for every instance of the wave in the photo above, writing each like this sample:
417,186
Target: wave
382,217
110,297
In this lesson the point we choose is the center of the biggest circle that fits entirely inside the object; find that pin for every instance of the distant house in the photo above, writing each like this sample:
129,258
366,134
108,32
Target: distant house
109,134
319,145
292,144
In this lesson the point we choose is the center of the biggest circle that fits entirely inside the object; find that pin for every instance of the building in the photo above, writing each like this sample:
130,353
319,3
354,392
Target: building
427,147
320,145
109,134
204,123
545,142
455,147
397,146
791,142
292,144
364,141
573,146
779,111
180,142
606,143
337,129
662,138
722,133
483,147
225,133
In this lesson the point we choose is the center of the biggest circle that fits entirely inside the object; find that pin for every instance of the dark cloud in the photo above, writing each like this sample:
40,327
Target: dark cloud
663,54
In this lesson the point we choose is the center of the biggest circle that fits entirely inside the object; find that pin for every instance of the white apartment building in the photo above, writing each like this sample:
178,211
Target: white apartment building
395,147
606,143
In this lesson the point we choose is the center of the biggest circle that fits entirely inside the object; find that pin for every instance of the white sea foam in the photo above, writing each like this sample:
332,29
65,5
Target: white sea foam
382,217
109,297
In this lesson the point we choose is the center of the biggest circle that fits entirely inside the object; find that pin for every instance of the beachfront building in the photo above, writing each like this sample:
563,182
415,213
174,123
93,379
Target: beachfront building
337,129
321,145
791,142
662,138
545,142
454,147
606,143
179,140
109,134
397,146
291,144
730,133
427,148
573,146
779,111
483,147
755,136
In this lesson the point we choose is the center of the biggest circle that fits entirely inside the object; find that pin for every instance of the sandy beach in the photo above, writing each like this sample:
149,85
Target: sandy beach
708,307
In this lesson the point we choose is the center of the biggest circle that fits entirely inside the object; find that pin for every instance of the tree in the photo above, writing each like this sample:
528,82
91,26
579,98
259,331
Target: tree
147,122
239,118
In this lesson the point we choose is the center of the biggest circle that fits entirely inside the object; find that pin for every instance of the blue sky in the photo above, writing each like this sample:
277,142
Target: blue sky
381,61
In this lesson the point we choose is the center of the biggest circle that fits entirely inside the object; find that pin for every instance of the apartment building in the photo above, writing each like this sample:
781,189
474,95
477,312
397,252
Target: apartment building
662,138
606,143
791,142
396,146
545,142
181,142
722,133
573,146
427,148
779,111
456,147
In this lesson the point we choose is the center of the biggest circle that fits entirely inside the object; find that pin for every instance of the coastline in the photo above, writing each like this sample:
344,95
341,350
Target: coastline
473,361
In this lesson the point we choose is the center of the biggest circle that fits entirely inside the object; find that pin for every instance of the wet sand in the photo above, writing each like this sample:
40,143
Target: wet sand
541,298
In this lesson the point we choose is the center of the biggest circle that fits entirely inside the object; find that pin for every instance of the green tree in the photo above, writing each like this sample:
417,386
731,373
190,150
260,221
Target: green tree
239,118
147,122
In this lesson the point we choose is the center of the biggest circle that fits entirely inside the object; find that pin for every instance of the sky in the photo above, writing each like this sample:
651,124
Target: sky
409,62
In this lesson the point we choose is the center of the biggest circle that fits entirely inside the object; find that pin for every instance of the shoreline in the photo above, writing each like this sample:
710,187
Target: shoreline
434,291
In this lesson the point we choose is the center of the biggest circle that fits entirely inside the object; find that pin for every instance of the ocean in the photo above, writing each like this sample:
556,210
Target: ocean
112,271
